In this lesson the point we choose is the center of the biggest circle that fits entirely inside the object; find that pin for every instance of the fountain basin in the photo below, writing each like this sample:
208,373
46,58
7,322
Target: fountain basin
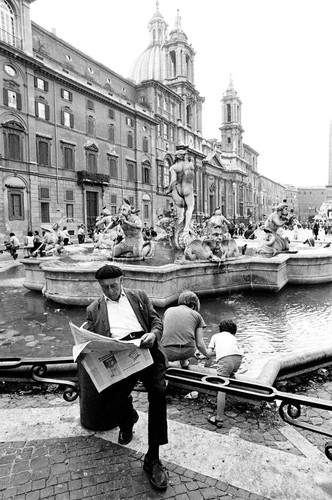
74,283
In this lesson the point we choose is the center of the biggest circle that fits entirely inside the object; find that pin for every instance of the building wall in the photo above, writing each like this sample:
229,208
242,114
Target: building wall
53,80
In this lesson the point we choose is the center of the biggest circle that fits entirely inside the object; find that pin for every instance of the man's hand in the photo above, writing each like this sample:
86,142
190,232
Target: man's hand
147,340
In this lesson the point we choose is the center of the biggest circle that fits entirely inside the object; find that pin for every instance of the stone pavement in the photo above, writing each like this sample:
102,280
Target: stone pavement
45,453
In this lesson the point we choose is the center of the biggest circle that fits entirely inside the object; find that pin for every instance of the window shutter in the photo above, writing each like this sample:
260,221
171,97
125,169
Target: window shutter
61,92
36,82
47,112
36,108
70,96
5,97
19,101
62,118
46,86
71,120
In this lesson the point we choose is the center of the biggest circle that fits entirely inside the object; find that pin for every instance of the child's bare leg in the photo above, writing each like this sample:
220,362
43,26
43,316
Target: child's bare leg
221,401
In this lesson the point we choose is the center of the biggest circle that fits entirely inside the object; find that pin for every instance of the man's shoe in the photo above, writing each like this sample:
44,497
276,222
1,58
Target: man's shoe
126,435
157,473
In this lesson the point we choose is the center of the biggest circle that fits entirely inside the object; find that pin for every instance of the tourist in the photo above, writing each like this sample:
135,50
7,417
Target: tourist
315,229
13,245
81,233
47,245
229,358
28,244
183,329
66,236
36,241
118,313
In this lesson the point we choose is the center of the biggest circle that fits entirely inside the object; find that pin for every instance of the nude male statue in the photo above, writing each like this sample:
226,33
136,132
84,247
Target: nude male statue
181,187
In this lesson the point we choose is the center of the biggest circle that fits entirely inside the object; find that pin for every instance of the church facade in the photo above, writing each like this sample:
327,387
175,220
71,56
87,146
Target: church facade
76,136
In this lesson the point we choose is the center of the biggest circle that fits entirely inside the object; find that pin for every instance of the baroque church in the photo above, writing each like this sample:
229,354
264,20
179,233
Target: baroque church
76,136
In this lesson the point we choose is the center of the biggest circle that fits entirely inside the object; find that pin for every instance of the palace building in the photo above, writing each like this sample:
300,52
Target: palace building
76,136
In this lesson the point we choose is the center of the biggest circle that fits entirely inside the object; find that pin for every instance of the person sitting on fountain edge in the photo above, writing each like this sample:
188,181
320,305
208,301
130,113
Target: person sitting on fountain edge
124,314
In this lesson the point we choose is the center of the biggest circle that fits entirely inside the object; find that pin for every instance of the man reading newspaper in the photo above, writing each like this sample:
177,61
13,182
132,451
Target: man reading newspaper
123,314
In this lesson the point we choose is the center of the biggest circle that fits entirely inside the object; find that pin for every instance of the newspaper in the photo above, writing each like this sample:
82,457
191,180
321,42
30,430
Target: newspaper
107,360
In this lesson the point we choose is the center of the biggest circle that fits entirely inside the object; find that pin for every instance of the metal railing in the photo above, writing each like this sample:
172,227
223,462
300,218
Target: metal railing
289,409
10,39
39,370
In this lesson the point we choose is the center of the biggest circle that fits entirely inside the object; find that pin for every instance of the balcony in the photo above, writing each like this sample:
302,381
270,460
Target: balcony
10,39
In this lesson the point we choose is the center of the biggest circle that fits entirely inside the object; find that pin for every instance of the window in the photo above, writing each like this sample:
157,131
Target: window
43,151
131,200
15,204
113,162
90,126
45,211
69,195
159,129
42,110
146,211
146,173
41,84
68,152
229,114
165,131
70,212
113,204
111,113
13,146
67,118
89,104
66,95
130,140
145,144
228,140
111,133
7,31
172,134
131,172
91,159
159,101
12,98
129,121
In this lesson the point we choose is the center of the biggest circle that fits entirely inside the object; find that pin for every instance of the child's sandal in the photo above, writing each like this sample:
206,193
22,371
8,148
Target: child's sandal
212,419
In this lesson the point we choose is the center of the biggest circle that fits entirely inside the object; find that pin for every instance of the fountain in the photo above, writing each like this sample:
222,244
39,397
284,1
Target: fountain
209,265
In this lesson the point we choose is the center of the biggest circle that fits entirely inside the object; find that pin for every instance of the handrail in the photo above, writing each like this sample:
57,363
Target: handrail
289,410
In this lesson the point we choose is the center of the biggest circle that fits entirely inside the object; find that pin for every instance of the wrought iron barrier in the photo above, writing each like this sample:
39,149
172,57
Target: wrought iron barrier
289,409
37,369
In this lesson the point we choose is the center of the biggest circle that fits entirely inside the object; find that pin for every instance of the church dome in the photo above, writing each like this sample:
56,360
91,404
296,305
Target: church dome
150,65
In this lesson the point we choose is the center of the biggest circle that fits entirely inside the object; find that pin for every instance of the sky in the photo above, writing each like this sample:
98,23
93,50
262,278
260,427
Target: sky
277,51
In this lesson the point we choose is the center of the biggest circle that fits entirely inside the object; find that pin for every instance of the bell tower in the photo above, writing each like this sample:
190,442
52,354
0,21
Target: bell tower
231,127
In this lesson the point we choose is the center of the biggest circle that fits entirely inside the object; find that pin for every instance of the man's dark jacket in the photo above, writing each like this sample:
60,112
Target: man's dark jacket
97,316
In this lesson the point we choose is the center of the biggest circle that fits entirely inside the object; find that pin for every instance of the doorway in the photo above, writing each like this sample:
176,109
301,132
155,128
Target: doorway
91,209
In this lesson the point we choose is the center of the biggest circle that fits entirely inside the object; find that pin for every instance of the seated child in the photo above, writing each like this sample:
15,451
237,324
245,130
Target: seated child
229,358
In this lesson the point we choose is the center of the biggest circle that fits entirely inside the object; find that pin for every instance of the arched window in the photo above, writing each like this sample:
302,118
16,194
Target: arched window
7,23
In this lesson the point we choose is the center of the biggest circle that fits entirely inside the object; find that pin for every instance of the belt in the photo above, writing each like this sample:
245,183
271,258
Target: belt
133,335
